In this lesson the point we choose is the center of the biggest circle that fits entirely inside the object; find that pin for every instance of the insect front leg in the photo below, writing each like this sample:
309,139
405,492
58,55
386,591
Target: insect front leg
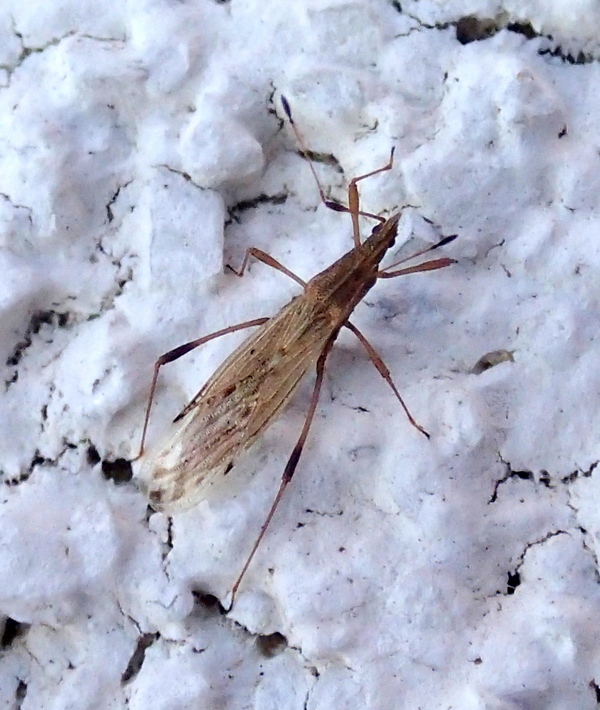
269,261
178,352
292,463
353,206
354,200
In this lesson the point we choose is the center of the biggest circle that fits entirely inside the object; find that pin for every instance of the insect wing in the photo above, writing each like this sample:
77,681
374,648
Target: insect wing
235,406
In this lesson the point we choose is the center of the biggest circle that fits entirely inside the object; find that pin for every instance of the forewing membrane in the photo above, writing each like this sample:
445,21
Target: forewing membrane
235,406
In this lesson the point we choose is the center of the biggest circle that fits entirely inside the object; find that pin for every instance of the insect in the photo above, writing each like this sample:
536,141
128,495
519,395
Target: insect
257,380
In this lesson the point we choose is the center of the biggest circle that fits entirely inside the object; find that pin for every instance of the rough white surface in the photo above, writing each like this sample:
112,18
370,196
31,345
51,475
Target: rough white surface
141,149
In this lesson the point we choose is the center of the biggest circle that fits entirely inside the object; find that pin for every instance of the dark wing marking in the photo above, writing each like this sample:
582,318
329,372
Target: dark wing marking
236,405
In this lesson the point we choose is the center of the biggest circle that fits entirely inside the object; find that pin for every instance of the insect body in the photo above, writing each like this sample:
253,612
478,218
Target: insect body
257,380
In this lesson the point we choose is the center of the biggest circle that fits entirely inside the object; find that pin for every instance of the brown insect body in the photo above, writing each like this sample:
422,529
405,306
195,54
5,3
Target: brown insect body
226,417
342,286
257,380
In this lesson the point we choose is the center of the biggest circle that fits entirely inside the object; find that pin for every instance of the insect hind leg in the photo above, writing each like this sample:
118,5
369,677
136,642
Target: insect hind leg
292,463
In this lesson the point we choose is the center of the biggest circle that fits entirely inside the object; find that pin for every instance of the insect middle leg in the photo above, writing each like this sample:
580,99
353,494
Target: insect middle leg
178,352
384,372
385,274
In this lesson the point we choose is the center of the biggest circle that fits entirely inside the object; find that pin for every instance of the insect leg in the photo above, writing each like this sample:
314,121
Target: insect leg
384,372
353,199
178,352
269,261
290,466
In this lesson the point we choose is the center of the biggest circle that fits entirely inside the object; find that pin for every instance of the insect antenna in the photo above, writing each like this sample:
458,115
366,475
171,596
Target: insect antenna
353,206
425,266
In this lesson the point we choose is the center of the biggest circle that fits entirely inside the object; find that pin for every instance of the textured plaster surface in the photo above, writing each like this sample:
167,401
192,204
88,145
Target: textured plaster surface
142,148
